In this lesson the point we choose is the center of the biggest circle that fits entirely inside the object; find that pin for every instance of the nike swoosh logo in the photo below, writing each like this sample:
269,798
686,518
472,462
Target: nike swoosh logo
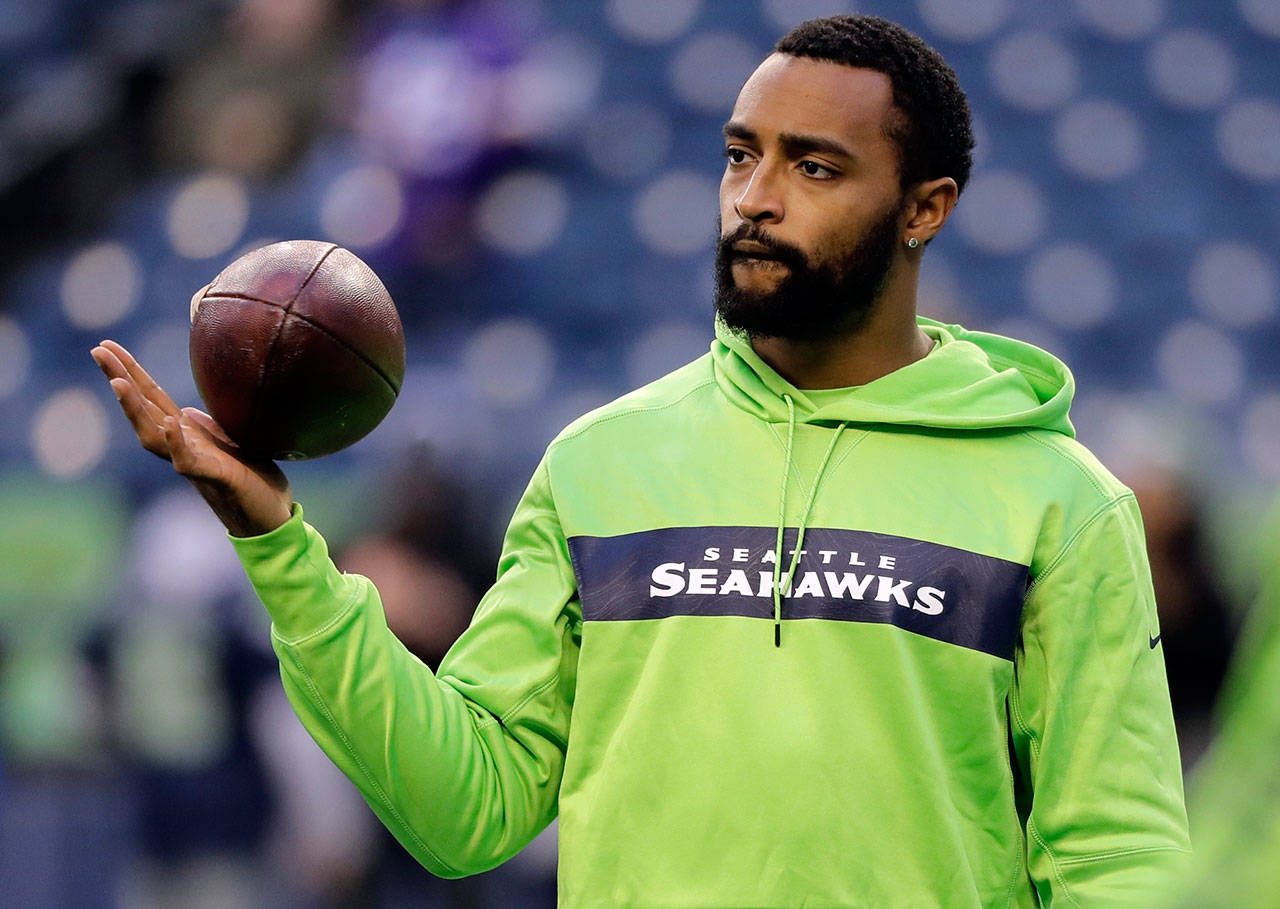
1156,640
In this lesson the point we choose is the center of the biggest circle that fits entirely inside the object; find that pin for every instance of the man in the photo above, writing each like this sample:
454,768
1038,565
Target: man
838,614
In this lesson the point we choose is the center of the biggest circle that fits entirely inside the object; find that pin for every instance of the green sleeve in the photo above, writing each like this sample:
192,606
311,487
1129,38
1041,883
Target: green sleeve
463,767
1092,730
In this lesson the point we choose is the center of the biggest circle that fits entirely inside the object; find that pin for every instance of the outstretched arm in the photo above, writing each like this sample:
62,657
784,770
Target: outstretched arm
465,768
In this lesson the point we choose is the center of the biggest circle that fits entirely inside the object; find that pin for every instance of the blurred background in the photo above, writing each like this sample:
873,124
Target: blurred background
535,183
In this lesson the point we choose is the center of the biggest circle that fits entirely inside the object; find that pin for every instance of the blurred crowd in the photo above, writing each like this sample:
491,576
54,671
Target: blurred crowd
535,183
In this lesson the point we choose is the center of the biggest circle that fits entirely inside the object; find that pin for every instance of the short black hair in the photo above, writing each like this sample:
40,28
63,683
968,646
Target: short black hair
933,133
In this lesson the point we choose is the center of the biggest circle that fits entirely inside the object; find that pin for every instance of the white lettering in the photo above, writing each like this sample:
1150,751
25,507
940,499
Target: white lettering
736,582
702,580
766,584
826,555
854,560
668,574
740,555
769,556
929,600
810,586
712,554
848,585
888,563
891,589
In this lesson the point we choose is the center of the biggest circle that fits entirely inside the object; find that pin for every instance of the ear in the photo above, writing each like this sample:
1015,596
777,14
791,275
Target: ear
929,205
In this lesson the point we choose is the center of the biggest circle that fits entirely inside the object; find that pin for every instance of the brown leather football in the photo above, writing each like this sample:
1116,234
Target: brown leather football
296,349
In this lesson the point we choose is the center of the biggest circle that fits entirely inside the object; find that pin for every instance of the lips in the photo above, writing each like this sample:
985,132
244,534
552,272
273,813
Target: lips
752,253
749,249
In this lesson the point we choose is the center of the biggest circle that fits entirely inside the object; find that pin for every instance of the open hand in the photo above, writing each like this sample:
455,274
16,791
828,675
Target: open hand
249,495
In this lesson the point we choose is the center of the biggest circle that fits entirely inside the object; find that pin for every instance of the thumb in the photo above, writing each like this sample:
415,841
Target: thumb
190,447
209,424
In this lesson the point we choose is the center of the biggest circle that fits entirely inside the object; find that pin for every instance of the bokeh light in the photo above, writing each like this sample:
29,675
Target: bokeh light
1248,138
675,214
1003,212
1191,68
510,361
1235,283
1200,364
647,22
1098,140
523,213
1123,20
787,14
964,20
69,433
101,285
1071,285
419,100
707,71
1034,71
208,216
554,86
1262,15
362,208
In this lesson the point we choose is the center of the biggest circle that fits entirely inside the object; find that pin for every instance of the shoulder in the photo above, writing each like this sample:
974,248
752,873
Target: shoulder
649,403
1077,468
1077,495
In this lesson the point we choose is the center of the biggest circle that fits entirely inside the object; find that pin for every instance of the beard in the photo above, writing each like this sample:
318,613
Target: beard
814,300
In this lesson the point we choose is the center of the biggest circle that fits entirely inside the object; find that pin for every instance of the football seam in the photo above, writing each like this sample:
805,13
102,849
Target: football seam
395,392
275,338
316,325
311,274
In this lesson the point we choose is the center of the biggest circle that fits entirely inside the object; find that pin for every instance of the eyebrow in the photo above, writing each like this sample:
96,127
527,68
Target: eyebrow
795,144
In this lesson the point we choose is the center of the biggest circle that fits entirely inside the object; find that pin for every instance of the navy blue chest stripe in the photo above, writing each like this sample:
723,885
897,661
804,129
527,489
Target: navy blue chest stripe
948,594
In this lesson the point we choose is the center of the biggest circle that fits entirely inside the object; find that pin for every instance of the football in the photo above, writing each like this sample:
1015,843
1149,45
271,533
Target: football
296,349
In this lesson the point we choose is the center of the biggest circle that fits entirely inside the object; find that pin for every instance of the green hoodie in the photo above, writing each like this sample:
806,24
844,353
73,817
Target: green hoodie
957,699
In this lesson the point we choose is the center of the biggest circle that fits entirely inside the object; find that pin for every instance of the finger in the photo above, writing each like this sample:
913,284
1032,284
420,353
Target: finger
209,424
145,419
180,452
204,431
197,452
150,389
198,455
193,451
109,363
111,366
196,299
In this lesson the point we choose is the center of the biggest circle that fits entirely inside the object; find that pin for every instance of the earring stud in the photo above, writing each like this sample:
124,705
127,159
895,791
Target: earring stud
913,242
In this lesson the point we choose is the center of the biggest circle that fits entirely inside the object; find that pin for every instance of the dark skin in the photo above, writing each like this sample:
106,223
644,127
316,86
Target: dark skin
810,163
249,496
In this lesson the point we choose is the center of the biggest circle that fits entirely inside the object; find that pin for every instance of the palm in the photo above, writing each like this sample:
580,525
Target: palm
250,495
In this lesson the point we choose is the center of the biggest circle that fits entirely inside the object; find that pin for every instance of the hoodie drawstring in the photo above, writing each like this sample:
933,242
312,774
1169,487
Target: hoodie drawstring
804,517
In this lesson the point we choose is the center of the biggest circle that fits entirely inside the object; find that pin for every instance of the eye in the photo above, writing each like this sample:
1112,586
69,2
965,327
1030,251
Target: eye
816,170
735,155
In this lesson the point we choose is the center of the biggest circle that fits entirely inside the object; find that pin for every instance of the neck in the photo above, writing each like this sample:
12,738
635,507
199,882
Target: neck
889,340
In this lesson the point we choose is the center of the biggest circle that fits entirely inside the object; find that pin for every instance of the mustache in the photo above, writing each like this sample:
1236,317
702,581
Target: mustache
785,253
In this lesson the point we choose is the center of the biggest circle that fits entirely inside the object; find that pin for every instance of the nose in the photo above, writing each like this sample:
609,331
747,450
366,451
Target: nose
759,202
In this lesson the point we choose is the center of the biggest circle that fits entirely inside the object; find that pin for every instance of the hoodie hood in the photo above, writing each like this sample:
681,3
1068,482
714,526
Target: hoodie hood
971,380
